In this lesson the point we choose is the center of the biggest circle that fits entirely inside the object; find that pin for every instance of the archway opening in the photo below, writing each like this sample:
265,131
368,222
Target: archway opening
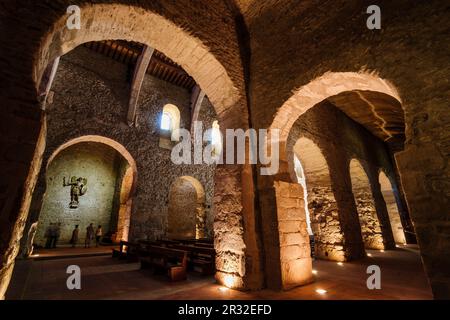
90,179
313,174
186,211
392,207
365,205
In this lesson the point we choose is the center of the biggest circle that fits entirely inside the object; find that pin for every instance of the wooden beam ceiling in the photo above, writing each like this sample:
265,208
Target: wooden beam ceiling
160,66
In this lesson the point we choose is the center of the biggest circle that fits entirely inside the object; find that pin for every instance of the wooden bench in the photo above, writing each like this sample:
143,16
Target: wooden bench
199,258
127,250
171,261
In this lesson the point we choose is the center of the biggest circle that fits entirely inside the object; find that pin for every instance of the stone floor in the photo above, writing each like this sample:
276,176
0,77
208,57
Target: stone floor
69,252
402,277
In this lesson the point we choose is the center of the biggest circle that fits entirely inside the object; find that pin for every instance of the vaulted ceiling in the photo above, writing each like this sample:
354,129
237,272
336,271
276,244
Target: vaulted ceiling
379,113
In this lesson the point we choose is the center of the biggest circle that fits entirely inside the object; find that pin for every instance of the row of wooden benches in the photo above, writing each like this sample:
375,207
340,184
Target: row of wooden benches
172,257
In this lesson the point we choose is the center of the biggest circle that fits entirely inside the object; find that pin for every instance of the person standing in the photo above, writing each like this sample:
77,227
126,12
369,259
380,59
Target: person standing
74,238
56,234
98,235
48,236
89,236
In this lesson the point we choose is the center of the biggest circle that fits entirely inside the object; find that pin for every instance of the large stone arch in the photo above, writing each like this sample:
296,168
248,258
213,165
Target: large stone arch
328,85
132,23
185,45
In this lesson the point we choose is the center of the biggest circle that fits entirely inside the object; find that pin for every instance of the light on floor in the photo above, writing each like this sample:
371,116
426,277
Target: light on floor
340,264
314,271
369,254
321,291
397,246
229,281
381,250
223,289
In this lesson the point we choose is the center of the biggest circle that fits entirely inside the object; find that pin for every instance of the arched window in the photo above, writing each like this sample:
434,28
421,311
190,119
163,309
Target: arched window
170,123
216,139
166,121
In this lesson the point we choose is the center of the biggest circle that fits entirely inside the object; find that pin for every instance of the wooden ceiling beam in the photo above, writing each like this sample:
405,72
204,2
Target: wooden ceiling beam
138,78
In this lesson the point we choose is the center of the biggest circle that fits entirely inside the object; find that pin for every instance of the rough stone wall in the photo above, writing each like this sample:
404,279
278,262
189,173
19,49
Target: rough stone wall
367,214
88,160
340,139
328,238
90,98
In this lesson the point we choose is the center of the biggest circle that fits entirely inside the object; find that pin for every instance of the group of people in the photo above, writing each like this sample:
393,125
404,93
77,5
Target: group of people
91,234
53,233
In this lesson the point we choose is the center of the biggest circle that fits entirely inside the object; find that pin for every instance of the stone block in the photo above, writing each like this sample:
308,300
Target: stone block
296,273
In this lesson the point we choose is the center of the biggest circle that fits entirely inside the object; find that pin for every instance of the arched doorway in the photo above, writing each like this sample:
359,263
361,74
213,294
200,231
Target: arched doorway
392,207
109,176
339,89
365,205
186,212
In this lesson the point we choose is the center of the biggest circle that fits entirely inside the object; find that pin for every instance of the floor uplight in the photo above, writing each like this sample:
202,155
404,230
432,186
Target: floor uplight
321,291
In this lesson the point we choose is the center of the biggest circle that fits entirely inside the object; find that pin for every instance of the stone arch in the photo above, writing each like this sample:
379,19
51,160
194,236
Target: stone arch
128,185
390,198
224,88
150,29
320,200
186,212
328,85
365,204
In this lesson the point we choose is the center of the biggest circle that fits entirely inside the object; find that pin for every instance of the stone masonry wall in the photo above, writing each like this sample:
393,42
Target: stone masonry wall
90,98
328,239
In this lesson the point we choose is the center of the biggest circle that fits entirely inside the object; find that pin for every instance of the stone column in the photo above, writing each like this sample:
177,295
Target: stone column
22,149
295,251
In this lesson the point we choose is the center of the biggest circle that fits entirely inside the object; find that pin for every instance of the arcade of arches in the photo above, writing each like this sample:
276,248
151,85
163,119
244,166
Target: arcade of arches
90,117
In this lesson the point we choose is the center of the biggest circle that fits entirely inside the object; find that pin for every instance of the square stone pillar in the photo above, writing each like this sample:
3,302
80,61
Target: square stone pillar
295,251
